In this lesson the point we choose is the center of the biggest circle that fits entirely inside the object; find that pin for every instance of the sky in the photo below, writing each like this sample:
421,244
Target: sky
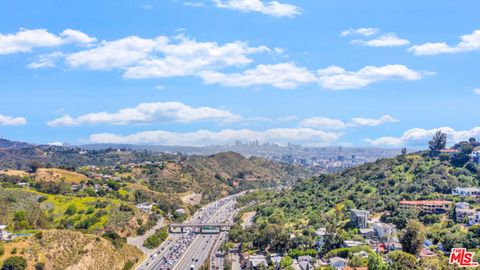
202,72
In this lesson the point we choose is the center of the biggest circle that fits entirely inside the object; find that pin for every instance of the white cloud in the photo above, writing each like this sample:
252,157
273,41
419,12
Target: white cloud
76,37
189,57
323,123
115,54
25,40
329,123
364,31
283,75
476,91
162,57
148,113
387,40
421,136
272,8
385,141
6,120
46,60
468,43
337,78
373,122
205,137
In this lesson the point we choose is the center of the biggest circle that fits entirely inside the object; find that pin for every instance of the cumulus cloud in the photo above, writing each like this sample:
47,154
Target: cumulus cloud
162,57
323,123
476,91
205,137
148,113
46,60
115,54
337,78
373,122
272,8
27,39
189,57
468,43
283,75
364,31
329,123
420,135
387,40
6,120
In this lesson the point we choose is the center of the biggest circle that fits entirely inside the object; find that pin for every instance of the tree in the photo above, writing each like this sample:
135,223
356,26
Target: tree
438,142
375,262
14,263
402,261
413,237
472,140
404,151
34,166
285,262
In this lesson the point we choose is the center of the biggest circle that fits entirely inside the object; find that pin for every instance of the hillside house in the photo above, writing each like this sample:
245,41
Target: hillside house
359,218
384,230
475,219
468,191
429,207
475,156
257,261
338,263
4,235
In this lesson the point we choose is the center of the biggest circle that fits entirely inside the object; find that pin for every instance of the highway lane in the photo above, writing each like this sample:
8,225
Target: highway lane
199,250
178,247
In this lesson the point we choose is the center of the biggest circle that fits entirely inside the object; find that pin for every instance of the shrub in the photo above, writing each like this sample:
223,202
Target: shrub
14,263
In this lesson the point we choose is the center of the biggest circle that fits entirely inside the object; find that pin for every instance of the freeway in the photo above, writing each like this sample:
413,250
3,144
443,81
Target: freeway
180,251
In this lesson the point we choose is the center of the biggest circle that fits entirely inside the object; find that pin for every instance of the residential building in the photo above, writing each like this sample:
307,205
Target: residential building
338,263
367,233
4,235
359,218
475,219
276,259
467,191
320,233
255,262
351,243
476,156
450,152
462,214
145,207
384,230
462,205
430,207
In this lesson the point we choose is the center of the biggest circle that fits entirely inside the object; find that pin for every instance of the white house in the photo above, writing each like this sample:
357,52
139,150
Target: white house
474,219
321,232
145,207
4,235
476,156
384,230
256,261
468,191
338,263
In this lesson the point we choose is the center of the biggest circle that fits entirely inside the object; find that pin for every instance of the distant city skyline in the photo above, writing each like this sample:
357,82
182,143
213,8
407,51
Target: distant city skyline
368,73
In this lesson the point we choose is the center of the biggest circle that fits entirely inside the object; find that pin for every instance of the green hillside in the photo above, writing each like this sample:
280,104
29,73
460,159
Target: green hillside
287,221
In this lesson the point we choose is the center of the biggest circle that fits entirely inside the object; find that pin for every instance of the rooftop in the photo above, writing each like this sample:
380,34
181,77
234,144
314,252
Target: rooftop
437,202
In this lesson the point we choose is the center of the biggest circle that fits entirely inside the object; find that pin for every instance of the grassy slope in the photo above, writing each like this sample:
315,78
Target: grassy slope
61,249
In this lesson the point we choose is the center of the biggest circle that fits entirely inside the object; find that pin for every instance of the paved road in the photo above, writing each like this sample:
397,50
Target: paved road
138,240
180,251
199,250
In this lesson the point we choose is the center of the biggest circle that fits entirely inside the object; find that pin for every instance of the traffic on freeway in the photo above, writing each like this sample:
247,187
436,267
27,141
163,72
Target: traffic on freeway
190,249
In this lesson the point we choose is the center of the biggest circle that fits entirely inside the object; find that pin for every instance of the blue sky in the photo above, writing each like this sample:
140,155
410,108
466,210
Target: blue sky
198,72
